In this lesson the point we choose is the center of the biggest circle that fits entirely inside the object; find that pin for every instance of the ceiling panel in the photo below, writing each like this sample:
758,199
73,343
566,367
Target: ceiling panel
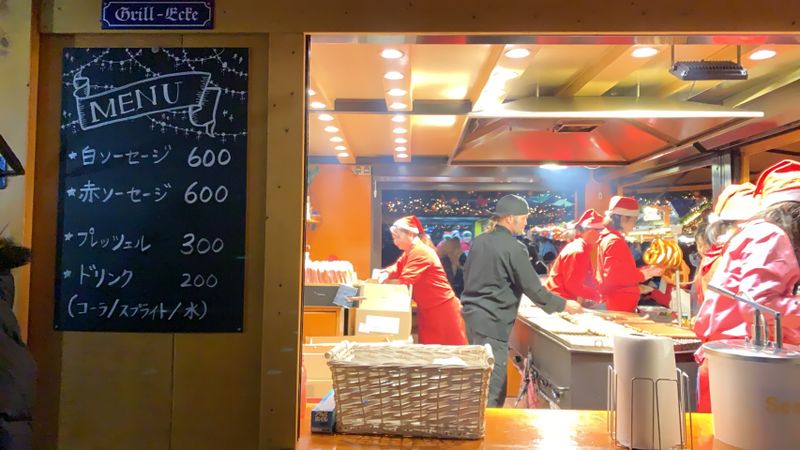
446,71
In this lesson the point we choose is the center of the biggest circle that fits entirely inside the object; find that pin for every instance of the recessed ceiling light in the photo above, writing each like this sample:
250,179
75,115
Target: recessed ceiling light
340,148
517,53
317,105
401,155
311,92
762,54
391,53
644,52
336,139
393,75
553,167
401,141
325,117
400,149
398,119
398,105
504,74
397,92
331,129
399,130
343,155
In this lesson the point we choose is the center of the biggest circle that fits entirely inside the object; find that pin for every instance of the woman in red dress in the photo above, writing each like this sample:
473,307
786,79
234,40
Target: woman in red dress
618,278
439,318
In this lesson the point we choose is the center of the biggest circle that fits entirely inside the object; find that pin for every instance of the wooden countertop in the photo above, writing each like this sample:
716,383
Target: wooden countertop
510,428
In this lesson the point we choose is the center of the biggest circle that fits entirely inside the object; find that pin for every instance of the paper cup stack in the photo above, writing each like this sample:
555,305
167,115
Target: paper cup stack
645,358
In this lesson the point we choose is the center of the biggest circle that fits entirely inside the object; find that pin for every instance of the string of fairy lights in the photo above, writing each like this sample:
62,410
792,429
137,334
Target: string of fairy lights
135,61
545,207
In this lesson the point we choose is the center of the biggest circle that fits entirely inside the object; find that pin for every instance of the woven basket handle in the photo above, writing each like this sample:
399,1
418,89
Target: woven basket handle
336,350
489,354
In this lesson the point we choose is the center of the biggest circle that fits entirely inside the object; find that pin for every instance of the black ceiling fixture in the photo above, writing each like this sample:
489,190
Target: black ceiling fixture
708,70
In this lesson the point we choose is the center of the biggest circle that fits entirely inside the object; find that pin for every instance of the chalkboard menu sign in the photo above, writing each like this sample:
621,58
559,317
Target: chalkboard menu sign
152,189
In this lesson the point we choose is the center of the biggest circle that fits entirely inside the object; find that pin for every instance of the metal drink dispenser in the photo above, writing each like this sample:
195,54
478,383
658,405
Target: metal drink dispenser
755,385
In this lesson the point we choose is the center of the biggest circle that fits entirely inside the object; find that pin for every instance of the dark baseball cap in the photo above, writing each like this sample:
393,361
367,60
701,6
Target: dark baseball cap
511,205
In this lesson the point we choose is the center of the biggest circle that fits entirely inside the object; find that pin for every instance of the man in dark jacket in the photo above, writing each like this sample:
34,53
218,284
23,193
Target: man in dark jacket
17,368
496,275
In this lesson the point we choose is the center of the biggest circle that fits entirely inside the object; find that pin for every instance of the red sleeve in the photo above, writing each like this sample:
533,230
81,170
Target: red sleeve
581,282
618,267
416,263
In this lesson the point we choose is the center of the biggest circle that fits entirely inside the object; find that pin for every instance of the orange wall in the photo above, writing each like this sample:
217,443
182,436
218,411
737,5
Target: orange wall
597,195
342,200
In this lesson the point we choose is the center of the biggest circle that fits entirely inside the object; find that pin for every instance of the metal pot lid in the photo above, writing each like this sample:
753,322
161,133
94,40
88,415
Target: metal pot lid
740,349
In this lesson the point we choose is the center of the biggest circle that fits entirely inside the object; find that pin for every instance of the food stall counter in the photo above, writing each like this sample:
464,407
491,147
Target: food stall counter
510,428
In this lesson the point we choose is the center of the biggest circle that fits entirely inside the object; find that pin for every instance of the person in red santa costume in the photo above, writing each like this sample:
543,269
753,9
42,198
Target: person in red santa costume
618,278
439,318
759,261
735,205
572,275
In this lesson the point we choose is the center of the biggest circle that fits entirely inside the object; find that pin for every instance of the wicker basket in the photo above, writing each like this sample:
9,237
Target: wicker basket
408,390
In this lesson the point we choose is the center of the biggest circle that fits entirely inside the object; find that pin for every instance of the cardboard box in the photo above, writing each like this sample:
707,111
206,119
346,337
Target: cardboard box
314,361
396,324
323,416
385,297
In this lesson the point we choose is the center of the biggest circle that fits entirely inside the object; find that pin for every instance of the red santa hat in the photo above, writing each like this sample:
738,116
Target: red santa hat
623,206
590,219
410,224
779,183
735,202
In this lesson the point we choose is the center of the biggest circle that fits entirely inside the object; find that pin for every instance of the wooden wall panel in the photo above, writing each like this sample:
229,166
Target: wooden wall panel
116,391
217,376
44,342
284,241
510,16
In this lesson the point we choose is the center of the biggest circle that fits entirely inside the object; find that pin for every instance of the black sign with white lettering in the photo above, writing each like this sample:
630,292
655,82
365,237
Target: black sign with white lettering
158,14
152,190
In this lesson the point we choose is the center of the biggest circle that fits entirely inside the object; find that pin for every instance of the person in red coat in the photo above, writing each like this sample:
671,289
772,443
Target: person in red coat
618,278
439,318
572,275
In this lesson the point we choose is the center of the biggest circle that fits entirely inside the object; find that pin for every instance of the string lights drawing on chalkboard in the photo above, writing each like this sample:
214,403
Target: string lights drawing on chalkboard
179,121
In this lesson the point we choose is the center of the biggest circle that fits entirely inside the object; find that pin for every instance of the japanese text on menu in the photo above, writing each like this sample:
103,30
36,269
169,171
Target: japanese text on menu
152,190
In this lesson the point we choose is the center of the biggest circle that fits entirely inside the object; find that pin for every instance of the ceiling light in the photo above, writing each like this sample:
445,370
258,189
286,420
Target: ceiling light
340,148
401,155
504,74
398,105
391,53
400,149
553,167
336,139
644,52
393,75
317,105
325,117
762,54
331,129
401,141
436,121
517,53
397,92
311,92
398,119
343,155
399,130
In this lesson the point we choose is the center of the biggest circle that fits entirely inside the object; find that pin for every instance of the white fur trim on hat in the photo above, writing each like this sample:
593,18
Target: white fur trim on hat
789,195
624,212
